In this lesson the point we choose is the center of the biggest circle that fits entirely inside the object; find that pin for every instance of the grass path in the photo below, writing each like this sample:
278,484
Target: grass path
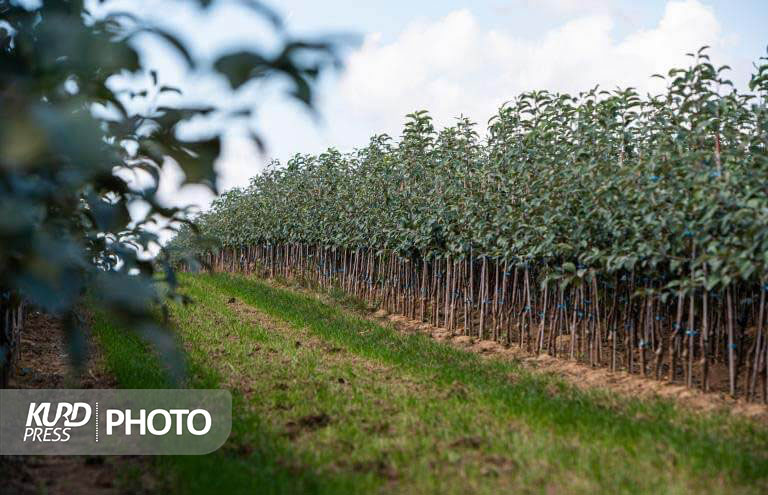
326,402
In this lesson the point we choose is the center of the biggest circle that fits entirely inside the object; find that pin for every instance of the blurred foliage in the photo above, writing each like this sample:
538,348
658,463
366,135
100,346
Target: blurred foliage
65,228
673,186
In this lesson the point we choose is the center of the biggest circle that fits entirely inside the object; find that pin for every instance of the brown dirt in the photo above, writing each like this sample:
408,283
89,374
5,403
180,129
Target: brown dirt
44,363
306,423
468,442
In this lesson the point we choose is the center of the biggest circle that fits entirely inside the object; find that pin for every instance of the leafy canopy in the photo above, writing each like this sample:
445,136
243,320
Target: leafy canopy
65,187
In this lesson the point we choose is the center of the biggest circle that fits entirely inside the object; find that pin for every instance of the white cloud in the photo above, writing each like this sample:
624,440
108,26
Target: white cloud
567,6
453,66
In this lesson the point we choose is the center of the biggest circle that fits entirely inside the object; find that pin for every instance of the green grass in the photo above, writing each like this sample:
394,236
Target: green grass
405,414
252,459
128,358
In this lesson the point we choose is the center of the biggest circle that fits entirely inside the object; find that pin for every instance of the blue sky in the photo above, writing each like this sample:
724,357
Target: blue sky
310,16
747,18
450,57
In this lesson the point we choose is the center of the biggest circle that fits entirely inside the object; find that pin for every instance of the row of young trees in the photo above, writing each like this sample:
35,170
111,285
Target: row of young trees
622,230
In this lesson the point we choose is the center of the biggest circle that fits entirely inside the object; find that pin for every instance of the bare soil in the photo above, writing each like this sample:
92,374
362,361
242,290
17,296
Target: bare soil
44,364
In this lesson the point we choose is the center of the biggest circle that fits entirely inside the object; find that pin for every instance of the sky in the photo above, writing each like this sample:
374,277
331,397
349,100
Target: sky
449,57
